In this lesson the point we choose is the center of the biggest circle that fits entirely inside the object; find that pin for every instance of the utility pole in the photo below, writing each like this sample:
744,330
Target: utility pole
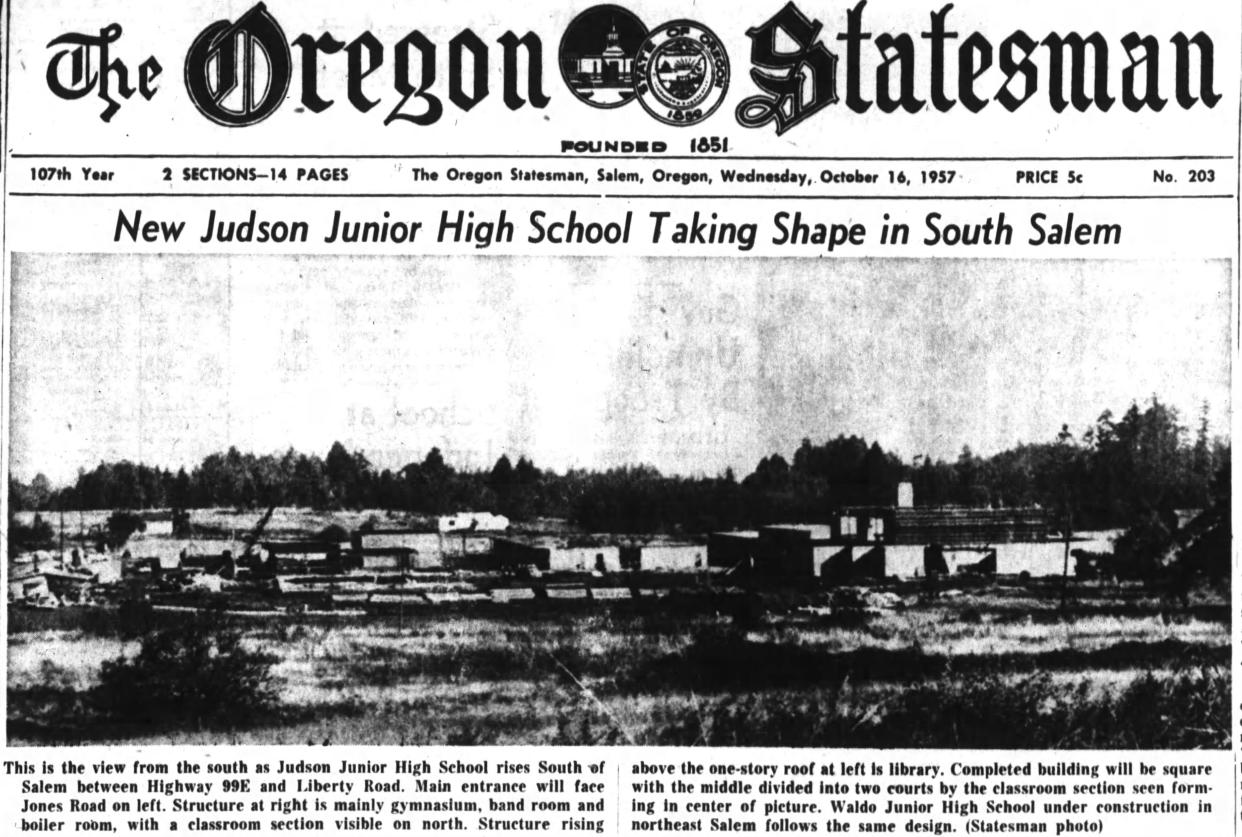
1066,525
1066,457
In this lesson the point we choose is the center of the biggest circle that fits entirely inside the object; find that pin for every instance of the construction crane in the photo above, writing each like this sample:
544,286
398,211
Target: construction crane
252,538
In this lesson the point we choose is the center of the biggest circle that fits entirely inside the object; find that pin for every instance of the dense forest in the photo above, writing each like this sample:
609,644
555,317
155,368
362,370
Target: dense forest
1104,476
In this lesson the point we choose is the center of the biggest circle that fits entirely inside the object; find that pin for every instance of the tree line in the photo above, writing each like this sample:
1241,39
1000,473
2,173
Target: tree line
1106,475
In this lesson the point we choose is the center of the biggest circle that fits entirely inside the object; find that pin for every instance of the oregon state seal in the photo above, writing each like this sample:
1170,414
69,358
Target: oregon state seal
681,72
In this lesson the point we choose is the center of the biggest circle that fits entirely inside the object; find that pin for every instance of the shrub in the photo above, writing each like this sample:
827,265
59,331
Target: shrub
123,524
135,617
51,709
37,535
181,526
197,673
333,533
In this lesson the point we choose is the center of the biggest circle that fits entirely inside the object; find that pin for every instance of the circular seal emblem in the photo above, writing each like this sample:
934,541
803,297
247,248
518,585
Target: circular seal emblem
681,72
597,55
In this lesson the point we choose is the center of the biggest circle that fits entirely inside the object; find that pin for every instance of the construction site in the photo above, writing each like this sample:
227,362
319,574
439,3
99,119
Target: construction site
470,628
475,557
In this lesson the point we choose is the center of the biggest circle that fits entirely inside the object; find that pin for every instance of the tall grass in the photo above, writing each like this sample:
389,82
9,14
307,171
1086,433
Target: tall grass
1188,709
956,674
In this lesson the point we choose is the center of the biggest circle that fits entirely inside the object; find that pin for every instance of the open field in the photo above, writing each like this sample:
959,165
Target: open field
987,664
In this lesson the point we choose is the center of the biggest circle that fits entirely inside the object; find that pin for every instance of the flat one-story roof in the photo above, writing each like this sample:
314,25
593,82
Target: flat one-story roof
815,531
300,547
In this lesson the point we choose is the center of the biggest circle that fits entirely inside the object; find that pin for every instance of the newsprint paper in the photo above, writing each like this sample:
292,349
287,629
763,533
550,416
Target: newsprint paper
805,417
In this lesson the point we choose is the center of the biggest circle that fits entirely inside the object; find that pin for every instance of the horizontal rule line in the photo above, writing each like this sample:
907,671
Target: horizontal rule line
549,196
703,157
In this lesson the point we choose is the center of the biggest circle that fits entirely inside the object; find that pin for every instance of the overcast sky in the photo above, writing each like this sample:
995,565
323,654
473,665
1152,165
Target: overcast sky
690,365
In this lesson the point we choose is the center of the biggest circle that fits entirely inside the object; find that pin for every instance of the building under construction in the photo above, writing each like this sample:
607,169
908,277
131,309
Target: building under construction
861,543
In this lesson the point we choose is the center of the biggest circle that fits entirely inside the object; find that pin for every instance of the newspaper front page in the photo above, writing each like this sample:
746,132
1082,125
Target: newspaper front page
623,419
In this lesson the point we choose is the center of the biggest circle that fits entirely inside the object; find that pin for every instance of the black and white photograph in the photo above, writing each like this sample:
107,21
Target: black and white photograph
915,503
